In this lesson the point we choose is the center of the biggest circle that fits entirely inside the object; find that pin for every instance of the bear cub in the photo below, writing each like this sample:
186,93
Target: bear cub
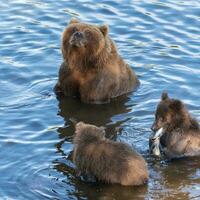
92,69
180,132
106,160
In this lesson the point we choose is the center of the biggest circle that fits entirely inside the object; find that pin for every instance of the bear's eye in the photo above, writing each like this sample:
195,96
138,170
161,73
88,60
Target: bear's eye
88,34
74,29
162,119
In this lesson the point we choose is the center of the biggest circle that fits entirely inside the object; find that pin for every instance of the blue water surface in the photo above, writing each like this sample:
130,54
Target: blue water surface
159,39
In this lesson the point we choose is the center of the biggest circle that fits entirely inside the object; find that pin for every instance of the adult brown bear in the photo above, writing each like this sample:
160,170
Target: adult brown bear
92,68
106,160
180,132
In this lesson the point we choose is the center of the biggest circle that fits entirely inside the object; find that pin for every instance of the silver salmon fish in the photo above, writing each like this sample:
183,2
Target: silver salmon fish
155,143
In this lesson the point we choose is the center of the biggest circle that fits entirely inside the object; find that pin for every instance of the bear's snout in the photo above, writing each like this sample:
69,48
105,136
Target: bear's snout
154,127
77,35
77,39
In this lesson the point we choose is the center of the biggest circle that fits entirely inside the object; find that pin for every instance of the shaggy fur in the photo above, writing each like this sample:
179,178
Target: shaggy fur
92,69
106,160
181,131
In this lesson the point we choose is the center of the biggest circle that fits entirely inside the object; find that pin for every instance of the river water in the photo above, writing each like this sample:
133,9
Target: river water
159,39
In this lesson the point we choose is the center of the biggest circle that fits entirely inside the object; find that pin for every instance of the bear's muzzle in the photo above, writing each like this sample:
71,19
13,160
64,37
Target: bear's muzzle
77,39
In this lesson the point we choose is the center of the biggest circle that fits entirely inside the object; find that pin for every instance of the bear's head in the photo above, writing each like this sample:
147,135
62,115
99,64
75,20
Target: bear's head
171,114
89,133
84,42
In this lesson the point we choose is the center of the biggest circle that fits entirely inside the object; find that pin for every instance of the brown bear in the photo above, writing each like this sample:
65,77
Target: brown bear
180,132
92,68
108,161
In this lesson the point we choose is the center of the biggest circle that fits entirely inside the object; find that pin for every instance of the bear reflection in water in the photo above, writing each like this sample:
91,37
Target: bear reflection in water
111,115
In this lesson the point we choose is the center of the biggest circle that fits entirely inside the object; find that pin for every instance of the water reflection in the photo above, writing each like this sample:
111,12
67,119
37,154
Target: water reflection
175,175
99,115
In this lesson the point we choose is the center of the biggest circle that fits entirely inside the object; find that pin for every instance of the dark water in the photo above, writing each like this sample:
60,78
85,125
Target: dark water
159,39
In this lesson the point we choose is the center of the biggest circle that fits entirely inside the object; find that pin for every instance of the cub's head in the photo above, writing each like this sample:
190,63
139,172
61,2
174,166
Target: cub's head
170,114
88,133
83,40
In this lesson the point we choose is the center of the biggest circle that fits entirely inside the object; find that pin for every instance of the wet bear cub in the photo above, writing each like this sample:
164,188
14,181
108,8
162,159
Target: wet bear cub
180,132
92,68
106,160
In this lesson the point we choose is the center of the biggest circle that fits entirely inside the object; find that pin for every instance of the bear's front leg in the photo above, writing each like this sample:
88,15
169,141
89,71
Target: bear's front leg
71,88
57,89
66,85
63,72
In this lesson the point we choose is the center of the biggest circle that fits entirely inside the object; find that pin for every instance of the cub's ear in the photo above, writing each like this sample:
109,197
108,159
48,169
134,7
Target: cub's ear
104,29
176,105
164,96
102,128
74,21
79,125
73,120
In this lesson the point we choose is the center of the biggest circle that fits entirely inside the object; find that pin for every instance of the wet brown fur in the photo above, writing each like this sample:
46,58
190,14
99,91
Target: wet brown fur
182,132
94,72
108,161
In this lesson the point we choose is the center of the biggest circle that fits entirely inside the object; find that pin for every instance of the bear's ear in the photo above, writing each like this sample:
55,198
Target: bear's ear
104,29
73,21
176,105
102,128
164,96
73,120
79,125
